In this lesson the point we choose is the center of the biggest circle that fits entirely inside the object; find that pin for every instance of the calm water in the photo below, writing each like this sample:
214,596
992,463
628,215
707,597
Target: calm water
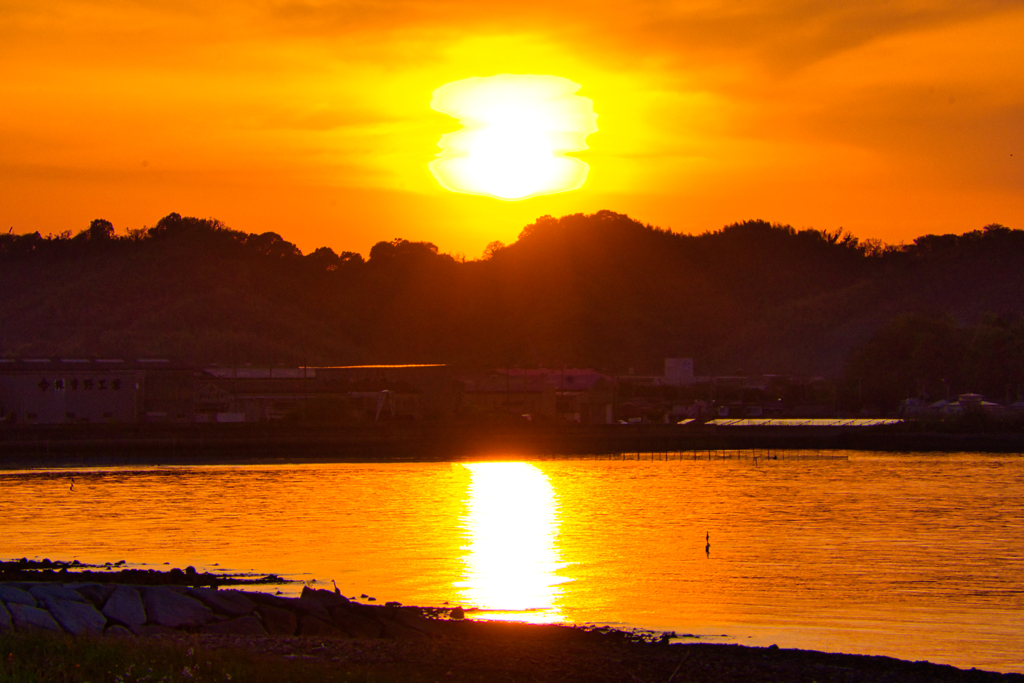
914,556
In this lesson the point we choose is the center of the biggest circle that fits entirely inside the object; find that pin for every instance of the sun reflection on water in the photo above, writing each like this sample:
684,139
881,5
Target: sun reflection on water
512,561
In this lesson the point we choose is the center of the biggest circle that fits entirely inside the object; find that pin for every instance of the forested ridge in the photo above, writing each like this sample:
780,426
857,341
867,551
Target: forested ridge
600,290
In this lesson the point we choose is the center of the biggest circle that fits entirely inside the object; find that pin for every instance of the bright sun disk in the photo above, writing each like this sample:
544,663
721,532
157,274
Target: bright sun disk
517,130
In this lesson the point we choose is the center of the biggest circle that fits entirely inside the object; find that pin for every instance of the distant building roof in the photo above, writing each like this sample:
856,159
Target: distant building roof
371,367
567,379
261,373
79,364
810,422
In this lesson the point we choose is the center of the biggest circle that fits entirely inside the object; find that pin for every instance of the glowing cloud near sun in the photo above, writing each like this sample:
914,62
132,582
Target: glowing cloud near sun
517,130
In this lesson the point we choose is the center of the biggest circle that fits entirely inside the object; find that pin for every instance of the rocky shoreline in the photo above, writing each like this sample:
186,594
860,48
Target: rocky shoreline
324,626
117,609
32,571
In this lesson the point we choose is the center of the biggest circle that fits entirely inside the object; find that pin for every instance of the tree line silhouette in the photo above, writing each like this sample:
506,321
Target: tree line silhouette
599,290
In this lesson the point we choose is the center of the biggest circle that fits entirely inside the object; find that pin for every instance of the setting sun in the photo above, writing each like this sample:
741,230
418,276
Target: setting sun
516,132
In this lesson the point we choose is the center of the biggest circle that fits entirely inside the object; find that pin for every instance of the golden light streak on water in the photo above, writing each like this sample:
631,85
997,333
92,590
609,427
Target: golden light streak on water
916,556
512,561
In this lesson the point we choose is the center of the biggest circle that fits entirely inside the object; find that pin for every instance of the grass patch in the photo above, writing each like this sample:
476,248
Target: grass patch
44,657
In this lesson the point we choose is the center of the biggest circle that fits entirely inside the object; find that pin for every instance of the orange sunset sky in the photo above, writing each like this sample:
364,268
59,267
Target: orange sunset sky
312,119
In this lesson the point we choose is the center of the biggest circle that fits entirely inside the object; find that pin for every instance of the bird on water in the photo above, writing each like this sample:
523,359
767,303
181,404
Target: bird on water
72,484
707,543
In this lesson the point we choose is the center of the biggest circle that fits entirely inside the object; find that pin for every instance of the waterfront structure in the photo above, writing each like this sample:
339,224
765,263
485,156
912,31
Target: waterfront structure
332,395
50,391
571,394
54,391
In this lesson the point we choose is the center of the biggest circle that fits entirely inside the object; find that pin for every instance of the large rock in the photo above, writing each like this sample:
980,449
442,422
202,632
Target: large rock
11,594
325,598
432,627
312,607
173,610
232,603
385,613
5,619
356,625
242,626
45,592
400,632
311,626
23,585
125,606
96,593
28,618
272,600
278,621
375,612
77,617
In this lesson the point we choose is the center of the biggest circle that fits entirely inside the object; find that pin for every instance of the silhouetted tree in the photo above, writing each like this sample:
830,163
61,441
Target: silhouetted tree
492,248
599,290
100,230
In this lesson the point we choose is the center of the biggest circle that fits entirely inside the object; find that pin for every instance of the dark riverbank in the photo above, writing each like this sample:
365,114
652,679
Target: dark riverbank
390,642
338,639
554,654
97,445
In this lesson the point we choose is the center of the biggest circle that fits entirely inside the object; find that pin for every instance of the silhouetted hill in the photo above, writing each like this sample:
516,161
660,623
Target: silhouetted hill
597,290
963,277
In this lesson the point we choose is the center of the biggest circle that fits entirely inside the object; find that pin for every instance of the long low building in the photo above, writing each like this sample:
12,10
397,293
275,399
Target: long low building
804,422
70,390
55,391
